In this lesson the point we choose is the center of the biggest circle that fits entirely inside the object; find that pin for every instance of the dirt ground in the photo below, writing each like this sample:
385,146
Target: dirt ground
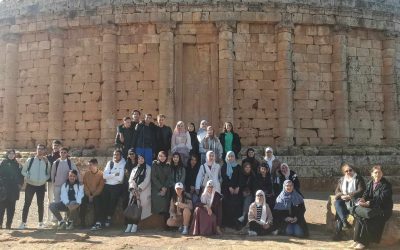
150,239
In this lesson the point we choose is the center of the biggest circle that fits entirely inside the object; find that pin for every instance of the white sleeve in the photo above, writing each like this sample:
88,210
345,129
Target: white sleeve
64,194
80,194
199,177
107,173
188,141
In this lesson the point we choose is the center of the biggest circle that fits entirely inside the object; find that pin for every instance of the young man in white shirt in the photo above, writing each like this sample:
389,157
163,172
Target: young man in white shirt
113,176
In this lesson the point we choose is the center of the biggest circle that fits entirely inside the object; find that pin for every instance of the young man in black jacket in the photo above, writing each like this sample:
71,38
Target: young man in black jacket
145,139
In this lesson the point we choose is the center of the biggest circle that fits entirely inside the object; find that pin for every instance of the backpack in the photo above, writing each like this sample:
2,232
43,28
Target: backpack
31,162
58,163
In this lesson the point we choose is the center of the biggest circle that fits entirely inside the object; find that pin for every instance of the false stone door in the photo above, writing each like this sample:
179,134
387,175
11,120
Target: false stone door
196,79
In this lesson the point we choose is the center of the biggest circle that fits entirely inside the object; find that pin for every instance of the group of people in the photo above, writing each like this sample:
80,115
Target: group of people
192,179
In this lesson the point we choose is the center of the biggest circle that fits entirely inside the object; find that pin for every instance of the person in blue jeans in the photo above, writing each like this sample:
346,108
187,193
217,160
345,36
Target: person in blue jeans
289,212
145,139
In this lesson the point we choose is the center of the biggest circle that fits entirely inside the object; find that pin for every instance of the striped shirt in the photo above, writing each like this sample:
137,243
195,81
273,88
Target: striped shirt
259,212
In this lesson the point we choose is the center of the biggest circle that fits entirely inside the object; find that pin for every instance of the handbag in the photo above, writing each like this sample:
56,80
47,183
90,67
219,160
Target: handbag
368,213
134,210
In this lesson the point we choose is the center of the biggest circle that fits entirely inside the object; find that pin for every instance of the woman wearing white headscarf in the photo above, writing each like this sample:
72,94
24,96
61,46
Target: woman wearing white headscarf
207,216
202,132
230,190
181,141
260,216
287,174
269,157
209,171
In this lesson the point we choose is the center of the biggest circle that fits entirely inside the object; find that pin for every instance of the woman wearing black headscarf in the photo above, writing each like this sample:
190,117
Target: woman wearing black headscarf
251,158
193,140
140,188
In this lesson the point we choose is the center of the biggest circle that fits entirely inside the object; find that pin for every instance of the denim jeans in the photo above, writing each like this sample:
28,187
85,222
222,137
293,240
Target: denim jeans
294,229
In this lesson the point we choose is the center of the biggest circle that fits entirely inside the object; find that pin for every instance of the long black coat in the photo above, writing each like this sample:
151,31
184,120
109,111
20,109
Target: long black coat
370,230
10,173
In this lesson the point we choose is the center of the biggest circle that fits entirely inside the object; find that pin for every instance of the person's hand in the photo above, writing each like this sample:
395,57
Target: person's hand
192,189
231,190
197,191
116,174
294,220
91,199
364,204
237,190
361,200
121,137
288,219
209,211
266,226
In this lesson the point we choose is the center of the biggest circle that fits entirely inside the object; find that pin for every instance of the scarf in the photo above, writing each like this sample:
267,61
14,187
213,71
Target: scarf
286,200
230,165
287,174
349,184
206,197
264,207
269,160
140,174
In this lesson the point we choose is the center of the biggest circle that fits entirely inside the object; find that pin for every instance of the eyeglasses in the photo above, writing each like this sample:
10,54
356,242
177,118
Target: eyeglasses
348,171
131,154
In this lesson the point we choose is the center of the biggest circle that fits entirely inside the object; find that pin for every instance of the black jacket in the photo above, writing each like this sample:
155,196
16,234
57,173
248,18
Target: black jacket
236,145
164,135
226,182
381,197
145,136
10,173
195,144
128,134
264,184
191,175
294,178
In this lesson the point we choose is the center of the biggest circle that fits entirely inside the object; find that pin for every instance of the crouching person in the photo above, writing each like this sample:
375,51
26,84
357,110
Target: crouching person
260,216
180,209
71,198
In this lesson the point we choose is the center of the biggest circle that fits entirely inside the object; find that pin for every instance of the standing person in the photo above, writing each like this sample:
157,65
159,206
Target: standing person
164,134
160,180
230,190
180,209
230,140
192,170
202,132
36,172
181,141
260,216
276,175
55,154
288,174
145,139
114,176
350,187
124,136
193,140
264,183
131,163
247,180
60,171
251,158
140,188
135,118
207,217
289,212
12,180
71,198
209,171
269,157
178,171
93,183
211,143
377,197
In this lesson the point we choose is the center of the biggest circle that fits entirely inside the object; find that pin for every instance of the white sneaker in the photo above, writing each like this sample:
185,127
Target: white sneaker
252,233
359,246
22,226
241,218
41,225
275,232
134,228
128,228
185,230
353,244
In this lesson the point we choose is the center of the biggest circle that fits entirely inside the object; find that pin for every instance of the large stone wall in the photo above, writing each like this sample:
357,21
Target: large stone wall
287,73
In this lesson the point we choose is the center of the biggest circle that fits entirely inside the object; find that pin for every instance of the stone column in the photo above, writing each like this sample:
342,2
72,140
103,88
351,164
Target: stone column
56,86
284,70
226,59
340,89
108,89
166,92
389,89
10,90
